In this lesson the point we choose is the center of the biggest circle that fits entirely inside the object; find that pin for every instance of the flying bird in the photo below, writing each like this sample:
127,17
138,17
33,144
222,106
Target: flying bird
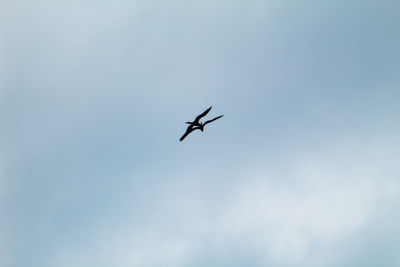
197,125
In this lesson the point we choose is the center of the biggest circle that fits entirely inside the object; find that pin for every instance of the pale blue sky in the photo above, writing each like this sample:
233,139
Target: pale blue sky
302,170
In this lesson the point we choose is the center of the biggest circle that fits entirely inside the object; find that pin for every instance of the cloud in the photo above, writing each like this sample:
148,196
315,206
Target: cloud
288,220
94,98
300,215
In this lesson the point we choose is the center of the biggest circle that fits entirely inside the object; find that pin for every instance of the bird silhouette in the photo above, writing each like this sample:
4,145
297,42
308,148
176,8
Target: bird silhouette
197,125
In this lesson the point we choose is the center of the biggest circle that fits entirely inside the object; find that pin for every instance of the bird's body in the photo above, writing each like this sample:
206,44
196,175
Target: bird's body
197,125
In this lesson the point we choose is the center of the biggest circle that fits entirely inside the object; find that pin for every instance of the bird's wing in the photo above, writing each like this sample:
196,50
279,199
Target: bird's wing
216,118
188,131
185,134
202,115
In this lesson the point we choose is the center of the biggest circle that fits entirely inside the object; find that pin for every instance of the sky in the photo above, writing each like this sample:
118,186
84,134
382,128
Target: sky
302,170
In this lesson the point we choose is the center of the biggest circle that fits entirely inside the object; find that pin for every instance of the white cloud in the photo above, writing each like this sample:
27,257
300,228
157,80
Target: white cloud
314,206
85,65
286,218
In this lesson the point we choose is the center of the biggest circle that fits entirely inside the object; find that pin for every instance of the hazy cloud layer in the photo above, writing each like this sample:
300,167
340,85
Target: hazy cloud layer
301,171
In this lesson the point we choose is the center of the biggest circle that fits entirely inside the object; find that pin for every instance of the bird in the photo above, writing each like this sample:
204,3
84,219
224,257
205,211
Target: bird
197,125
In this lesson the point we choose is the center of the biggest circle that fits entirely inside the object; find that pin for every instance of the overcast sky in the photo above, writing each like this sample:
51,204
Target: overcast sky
303,169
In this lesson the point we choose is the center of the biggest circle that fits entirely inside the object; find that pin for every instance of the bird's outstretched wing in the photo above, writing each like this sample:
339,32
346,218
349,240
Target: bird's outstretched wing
184,136
216,118
202,115
188,131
